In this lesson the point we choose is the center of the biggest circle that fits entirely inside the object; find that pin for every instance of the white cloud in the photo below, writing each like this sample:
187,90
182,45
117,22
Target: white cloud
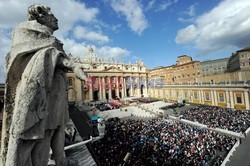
133,12
186,35
75,48
191,10
184,20
112,52
225,26
84,33
81,50
165,4
150,5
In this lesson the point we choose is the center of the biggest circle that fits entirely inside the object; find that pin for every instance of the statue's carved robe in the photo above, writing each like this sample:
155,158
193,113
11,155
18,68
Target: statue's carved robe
36,84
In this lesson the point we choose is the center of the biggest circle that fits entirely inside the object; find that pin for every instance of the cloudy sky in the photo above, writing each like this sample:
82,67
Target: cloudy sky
156,31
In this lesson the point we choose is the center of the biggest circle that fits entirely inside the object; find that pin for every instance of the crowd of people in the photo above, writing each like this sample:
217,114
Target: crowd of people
160,142
145,99
107,105
224,118
172,106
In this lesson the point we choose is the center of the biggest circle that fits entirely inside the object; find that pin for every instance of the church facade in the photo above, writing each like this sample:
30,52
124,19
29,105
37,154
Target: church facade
106,79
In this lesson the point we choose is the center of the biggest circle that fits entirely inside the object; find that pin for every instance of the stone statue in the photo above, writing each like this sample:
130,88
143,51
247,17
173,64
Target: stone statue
36,107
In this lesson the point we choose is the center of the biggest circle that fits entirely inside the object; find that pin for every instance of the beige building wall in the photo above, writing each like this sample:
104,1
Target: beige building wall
226,77
185,71
230,96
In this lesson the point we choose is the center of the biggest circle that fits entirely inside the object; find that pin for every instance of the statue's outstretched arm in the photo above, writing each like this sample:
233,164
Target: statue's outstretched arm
77,68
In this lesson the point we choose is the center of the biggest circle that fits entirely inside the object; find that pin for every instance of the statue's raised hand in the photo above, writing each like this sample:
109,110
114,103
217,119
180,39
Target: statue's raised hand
79,71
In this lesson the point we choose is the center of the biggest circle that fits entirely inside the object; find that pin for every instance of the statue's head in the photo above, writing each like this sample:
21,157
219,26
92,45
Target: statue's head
42,15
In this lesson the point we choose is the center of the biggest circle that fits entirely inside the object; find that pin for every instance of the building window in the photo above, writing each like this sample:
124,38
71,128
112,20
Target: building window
238,98
71,82
105,67
221,97
94,67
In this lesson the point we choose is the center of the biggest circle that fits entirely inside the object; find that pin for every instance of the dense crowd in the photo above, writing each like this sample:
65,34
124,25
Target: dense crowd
145,99
225,118
160,142
103,106
172,106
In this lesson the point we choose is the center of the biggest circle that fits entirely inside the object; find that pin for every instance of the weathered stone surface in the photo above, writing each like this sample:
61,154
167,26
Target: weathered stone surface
36,107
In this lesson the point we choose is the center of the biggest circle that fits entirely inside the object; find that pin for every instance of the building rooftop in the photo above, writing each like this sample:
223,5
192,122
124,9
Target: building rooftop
182,56
93,58
244,49
214,60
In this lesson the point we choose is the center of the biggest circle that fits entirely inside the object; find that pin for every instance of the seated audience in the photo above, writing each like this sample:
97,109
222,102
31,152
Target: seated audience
224,118
160,142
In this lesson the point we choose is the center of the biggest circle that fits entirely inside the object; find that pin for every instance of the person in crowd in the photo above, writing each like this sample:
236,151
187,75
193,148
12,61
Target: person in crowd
160,142
217,117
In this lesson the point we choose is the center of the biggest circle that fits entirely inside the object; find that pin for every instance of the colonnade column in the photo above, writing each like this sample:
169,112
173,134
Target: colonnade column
91,92
231,99
227,99
121,83
100,88
131,87
215,98
246,100
189,95
117,86
138,86
202,97
124,87
110,86
103,88
212,96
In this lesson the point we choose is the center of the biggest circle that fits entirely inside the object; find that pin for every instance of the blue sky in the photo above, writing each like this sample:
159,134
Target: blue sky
156,31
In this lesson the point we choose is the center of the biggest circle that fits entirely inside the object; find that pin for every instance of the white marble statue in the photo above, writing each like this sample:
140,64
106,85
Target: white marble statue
36,107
